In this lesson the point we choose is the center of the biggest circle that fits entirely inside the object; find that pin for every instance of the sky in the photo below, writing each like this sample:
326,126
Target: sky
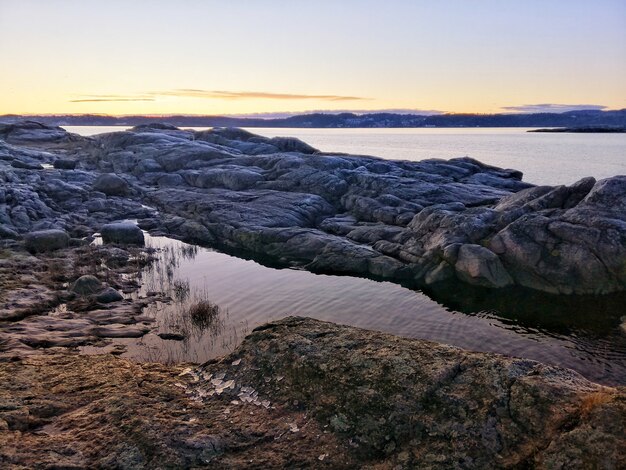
273,56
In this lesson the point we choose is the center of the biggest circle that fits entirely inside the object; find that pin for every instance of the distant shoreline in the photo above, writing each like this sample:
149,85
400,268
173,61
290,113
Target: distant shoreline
584,130
569,120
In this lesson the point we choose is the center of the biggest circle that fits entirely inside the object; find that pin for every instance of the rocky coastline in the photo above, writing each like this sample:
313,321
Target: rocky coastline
420,223
297,392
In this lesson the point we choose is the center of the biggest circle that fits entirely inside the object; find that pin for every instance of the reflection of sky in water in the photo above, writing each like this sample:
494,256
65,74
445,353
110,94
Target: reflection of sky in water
249,294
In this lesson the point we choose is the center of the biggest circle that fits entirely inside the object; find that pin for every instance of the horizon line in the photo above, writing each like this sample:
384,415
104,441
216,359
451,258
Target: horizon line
302,113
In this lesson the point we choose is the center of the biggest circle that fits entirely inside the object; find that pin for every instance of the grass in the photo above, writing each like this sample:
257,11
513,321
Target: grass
594,400
203,313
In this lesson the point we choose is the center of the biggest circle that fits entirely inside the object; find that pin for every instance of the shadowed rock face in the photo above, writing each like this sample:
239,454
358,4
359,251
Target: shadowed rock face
419,223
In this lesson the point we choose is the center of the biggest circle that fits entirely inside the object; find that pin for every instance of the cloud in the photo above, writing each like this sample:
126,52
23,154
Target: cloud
101,98
211,94
95,100
238,95
553,108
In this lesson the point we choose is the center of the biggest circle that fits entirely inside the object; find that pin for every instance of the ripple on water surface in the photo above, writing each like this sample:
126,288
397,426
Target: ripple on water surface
244,294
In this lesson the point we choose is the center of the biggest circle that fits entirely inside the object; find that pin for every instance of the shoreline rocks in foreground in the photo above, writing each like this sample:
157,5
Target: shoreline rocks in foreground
419,223
309,394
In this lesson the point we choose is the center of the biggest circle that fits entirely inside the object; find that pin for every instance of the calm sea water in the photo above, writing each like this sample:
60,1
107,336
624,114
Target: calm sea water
582,334
544,158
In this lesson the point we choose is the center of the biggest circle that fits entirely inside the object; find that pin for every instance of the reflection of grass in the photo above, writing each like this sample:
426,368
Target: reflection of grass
180,290
190,311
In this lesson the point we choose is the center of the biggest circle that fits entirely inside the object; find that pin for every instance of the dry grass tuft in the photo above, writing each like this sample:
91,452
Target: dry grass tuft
593,400
203,313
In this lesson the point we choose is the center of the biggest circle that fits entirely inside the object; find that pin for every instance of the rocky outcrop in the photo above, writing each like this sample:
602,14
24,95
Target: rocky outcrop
422,404
31,132
419,223
309,394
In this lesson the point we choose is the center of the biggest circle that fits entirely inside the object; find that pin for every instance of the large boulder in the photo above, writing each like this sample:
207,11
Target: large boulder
46,240
124,233
111,185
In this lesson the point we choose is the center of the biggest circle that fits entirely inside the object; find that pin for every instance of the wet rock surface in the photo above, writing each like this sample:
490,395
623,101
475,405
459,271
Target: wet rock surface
69,298
309,394
282,200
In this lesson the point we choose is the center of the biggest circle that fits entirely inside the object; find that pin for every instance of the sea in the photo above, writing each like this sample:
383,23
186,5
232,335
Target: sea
581,333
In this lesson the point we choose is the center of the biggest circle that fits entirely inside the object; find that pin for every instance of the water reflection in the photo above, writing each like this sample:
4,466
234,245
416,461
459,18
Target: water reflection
190,327
212,300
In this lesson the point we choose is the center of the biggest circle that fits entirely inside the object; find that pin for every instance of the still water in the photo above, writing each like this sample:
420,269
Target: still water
246,294
544,158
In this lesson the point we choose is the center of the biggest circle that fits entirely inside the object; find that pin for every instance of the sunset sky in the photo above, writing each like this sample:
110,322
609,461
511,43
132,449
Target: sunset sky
239,57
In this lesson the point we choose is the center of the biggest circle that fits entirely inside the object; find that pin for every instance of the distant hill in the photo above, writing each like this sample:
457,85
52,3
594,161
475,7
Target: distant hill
570,119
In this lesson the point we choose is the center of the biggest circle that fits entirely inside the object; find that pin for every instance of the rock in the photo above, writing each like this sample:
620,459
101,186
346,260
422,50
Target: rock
479,266
171,336
394,396
87,285
119,330
78,242
65,164
116,257
6,232
124,233
25,165
111,185
291,144
283,202
29,132
311,389
46,240
96,205
109,295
